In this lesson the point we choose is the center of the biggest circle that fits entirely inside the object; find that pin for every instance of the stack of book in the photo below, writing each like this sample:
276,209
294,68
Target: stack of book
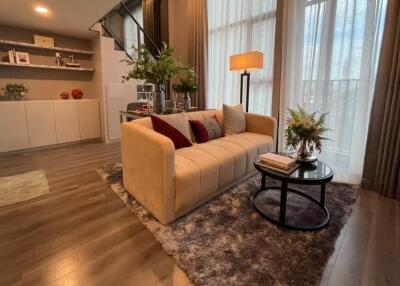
278,162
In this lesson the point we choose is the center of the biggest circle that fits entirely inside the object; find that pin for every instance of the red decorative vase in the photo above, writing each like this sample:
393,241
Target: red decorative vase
64,95
77,93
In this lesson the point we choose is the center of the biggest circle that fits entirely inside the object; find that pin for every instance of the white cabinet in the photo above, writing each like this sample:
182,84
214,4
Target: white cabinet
89,119
41,123
67,121
117,98
13,126
36,123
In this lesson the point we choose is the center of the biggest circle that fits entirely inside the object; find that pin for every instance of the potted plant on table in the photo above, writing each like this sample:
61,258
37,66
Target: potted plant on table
157,71
187,85
15,91
304,131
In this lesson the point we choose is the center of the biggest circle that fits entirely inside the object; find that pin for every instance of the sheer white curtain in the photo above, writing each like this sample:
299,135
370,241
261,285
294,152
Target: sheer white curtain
236,26
332,49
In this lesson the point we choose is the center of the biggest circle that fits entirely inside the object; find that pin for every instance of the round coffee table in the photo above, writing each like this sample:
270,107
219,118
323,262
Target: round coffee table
317,173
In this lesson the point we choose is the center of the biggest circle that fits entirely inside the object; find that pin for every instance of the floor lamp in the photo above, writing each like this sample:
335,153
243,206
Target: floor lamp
245,62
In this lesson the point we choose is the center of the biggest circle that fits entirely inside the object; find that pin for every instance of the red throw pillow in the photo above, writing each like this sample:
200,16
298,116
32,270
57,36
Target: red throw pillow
206,130
199,131
171,132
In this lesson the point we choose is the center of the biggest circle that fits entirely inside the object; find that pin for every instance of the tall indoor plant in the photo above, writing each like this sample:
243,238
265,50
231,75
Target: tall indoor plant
157,71
304,131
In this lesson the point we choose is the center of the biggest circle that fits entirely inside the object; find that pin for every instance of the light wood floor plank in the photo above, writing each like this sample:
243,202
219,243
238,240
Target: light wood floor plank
82,234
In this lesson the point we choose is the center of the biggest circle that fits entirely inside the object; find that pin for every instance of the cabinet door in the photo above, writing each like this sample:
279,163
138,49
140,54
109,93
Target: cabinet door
13,126
41,123
67,121
128,94
89,119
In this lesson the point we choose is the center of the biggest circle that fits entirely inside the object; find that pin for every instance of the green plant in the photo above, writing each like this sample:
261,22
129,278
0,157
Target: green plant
305,130
155,71
15,88
187,83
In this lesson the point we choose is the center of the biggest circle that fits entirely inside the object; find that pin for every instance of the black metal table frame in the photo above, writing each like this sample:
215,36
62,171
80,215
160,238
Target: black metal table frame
285,180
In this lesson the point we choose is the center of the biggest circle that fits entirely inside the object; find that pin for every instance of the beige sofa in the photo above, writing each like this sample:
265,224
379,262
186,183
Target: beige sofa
170,183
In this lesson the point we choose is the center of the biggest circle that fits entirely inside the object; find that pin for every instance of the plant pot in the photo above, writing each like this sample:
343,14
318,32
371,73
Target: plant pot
304,155
159,99
15,95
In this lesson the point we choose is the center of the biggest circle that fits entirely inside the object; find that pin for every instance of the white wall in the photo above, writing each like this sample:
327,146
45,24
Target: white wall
112,66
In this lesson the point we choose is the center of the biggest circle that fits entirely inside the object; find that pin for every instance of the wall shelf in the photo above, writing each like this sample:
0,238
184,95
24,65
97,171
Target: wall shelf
33,46
46,67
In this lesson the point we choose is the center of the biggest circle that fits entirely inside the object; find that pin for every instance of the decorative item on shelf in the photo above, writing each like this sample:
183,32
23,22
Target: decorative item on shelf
72,62
64,95
59,61
41,41
11,56
155,71
22,58
186,86
15,91
77,93
304,131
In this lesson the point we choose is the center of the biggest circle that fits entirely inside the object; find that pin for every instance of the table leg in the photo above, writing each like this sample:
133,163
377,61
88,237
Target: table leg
322,197
282,208
262,181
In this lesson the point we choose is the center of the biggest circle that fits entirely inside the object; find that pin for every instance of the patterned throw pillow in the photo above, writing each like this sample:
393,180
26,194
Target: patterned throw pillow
206,130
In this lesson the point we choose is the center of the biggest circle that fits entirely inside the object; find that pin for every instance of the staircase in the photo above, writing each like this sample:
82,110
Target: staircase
120,30
124,23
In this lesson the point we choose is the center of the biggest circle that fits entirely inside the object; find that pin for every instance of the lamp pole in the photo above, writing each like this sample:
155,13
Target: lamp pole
246,75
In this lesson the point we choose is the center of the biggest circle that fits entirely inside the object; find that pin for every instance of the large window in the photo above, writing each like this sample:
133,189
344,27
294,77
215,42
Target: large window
335,48
236,26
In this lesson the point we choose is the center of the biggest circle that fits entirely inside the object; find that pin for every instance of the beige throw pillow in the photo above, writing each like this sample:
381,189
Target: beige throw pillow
179,121
234,119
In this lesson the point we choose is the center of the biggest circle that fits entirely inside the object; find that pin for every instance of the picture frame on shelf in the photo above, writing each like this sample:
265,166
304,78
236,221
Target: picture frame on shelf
22,58
42,41
11,57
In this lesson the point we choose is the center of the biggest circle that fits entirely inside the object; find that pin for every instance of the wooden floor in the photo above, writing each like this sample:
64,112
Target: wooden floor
82,234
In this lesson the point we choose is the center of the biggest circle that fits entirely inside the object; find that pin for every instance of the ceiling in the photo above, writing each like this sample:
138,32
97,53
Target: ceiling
66,17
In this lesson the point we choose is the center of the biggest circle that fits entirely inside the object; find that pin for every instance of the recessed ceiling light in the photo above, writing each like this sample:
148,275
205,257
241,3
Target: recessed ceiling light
41,10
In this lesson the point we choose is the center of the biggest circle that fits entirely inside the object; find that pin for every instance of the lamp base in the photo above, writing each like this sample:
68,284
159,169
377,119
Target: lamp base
246,75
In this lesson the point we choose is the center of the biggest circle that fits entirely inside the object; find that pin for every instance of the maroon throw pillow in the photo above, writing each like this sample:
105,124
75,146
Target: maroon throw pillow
206,130
199,131
171,132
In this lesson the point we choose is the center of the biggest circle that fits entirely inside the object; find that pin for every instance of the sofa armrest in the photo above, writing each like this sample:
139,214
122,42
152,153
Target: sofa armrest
261,124
148,161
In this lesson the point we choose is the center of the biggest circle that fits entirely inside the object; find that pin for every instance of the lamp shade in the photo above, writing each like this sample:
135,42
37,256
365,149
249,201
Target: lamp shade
246,61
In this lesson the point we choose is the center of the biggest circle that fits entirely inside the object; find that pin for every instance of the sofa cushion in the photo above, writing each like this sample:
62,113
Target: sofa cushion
203,169
206,129
174,127
225,162
234,119
196,176
254,144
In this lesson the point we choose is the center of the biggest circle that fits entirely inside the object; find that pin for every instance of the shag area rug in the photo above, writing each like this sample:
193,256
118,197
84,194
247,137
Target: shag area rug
226,242
23,187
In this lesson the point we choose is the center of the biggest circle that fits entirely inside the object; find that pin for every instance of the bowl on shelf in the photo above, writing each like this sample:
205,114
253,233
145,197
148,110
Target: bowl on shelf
77,93
64,95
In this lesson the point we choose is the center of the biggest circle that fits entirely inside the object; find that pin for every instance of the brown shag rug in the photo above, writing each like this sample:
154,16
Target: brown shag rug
226,242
